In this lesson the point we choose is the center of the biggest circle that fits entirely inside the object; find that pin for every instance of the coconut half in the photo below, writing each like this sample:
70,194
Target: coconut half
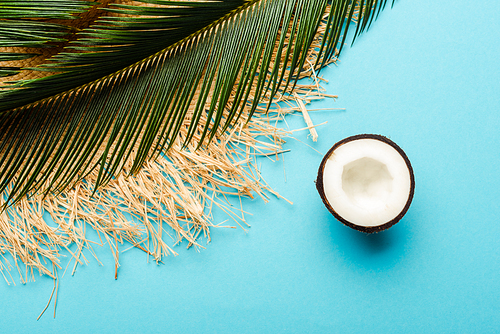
366,181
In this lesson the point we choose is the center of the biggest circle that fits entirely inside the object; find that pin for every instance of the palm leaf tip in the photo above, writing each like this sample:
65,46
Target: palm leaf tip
123,88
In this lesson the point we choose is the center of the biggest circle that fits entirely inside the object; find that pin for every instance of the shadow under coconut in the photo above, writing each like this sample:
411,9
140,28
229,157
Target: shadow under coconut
376,251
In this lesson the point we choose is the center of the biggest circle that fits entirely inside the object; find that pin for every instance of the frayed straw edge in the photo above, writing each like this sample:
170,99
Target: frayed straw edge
178,190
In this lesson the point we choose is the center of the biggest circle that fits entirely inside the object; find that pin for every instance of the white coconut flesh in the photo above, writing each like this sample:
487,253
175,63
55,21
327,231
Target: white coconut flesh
367,182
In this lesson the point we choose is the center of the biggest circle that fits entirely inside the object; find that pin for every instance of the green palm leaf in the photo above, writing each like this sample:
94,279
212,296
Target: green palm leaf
132,75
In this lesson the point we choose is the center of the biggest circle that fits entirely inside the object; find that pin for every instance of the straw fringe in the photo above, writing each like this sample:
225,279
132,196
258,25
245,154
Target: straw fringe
168,201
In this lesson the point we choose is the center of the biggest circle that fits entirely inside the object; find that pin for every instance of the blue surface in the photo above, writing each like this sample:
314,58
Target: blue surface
427,74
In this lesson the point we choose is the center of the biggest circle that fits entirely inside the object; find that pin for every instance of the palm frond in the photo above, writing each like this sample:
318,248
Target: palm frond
129,79
128,35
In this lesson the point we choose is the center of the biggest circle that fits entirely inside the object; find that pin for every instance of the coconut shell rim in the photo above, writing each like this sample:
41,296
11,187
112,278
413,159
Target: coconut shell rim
320,188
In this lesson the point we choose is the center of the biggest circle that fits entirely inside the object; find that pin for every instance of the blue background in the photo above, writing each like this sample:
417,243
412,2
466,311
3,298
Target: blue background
427,75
